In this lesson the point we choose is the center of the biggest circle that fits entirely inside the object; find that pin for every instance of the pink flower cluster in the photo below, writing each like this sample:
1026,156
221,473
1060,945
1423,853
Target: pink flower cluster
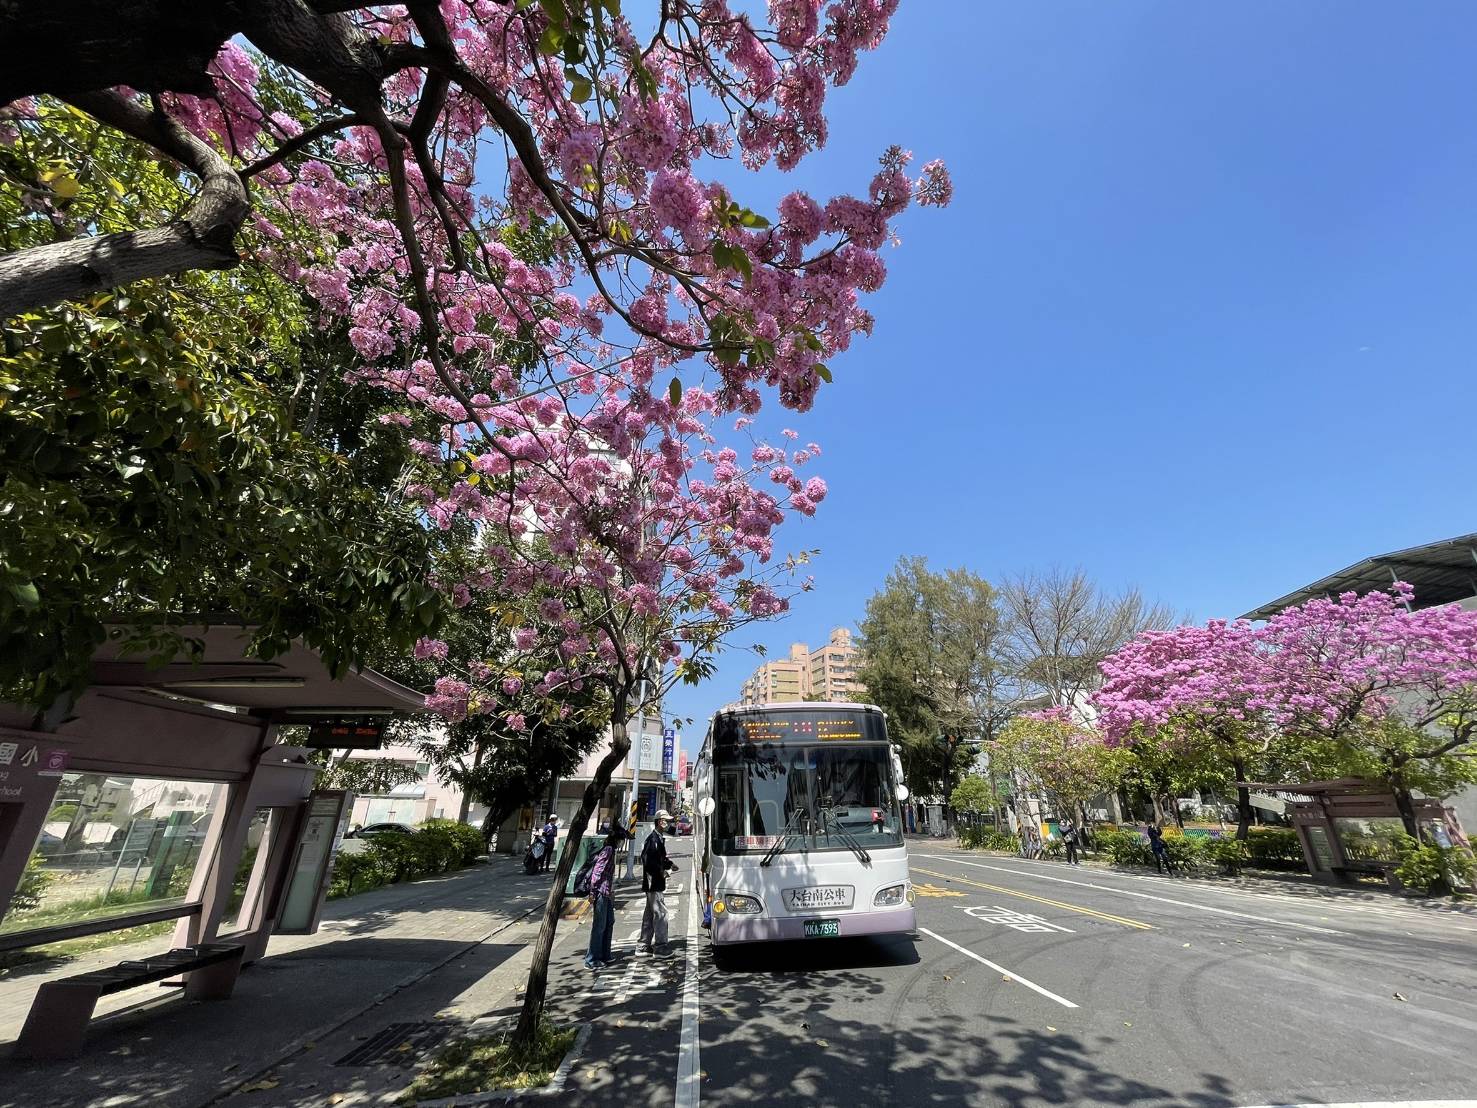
602,490
1320,668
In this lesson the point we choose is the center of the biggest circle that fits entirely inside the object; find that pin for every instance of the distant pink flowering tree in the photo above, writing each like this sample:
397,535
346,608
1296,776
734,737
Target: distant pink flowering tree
1392,691
1358,682
1196,690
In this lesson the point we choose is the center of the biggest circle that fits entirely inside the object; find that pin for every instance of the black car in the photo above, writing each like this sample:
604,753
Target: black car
381,829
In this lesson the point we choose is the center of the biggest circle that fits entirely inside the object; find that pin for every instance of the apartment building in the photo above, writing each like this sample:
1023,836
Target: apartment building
826,673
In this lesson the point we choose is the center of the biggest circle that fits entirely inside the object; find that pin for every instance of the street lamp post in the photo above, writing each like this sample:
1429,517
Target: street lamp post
638,749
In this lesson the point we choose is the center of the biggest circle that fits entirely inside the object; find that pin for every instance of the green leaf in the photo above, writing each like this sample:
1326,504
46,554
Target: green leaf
752,219
674,392
551,40
732,257
556,11
26,594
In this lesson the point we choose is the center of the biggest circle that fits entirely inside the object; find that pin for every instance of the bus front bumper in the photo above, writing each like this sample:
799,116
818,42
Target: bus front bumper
729,928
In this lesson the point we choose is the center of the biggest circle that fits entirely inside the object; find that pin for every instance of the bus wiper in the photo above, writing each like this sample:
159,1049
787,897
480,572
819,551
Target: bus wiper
829,820
779,848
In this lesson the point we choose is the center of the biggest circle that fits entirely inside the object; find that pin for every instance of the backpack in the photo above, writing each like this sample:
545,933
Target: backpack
582,878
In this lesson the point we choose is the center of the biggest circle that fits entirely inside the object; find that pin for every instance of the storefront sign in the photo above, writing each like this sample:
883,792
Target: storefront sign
669,751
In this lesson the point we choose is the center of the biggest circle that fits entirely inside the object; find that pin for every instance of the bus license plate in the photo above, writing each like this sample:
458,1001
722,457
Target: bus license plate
822,929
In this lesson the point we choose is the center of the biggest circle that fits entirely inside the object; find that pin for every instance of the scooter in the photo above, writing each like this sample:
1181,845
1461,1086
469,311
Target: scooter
533,857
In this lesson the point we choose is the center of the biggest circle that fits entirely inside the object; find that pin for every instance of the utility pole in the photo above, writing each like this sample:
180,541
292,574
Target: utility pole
637,750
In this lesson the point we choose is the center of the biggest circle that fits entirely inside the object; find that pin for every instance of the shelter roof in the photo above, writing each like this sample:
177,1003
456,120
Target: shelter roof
1441,572
293,685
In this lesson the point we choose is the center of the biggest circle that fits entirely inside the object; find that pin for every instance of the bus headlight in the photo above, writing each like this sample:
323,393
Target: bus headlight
890,896
742,905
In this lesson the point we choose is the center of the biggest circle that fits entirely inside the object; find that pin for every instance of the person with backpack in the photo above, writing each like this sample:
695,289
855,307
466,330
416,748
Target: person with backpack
655,865
1069,838
597,881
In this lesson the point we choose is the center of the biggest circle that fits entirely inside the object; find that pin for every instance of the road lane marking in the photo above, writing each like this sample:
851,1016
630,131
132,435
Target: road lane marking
1382,1104
1144,896
926,889
1010,974
1123,920
1016,921
689,1075
1320,902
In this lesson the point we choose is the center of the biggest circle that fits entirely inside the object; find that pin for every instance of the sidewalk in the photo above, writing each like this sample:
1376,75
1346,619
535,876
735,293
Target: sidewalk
630,1058
344,1017
152,1047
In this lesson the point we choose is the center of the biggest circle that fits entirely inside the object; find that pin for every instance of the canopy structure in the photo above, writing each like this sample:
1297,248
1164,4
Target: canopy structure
293,686
1441,573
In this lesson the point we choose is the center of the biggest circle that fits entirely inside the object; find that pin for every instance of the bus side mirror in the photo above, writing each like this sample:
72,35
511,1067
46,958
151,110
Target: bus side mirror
902,792
705,807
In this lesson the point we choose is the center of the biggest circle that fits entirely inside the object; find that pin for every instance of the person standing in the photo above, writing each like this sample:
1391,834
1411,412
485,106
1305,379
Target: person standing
551,833
1162,862
1069,837
655,865
602,893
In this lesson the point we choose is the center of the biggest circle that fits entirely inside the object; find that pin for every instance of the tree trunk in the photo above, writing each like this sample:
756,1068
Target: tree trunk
538,972
1406,805
1243,800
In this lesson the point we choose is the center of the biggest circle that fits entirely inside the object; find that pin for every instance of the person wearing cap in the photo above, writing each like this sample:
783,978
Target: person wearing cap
655,865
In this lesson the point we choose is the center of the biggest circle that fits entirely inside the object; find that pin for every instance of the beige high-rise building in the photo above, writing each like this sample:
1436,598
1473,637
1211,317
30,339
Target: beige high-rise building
828,673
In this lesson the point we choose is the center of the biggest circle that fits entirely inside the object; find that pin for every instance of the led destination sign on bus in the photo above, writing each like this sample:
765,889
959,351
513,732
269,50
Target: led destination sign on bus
799,727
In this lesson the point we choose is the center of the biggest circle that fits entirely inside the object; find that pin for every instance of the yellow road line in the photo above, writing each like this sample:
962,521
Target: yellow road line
1124,920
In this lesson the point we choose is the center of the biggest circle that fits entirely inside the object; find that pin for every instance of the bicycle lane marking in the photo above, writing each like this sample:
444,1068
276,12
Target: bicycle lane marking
1010,975
1123,920
1143,896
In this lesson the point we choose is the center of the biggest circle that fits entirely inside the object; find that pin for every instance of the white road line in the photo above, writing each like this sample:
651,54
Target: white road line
1143,896
689,1075
1382,1104
1321,904
1063,1001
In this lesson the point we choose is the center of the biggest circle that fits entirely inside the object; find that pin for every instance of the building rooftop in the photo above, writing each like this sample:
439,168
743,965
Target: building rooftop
1441,573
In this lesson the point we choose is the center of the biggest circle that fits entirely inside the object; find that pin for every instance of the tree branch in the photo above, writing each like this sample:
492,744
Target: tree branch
203,239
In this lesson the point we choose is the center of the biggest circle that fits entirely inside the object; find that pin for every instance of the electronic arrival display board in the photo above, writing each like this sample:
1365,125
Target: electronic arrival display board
821,725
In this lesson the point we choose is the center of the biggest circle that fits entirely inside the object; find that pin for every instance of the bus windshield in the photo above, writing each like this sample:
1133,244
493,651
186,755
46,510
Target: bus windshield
818,795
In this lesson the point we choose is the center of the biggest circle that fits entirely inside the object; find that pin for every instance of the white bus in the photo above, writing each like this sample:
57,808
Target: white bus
799,833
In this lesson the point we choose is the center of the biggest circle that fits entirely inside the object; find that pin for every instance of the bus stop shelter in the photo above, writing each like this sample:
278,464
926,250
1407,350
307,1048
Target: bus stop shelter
1349,827
161,793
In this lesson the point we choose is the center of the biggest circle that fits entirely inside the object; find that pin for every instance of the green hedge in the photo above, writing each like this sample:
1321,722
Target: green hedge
987,838
438,846
1274,848
1428,868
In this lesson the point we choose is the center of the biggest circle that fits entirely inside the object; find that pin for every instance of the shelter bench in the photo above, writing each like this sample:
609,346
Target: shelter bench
56,1026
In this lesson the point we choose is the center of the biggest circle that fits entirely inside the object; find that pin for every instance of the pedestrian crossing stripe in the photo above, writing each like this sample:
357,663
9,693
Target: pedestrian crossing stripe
934,890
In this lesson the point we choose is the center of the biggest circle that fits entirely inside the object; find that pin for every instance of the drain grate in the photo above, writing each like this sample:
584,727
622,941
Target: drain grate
399,1044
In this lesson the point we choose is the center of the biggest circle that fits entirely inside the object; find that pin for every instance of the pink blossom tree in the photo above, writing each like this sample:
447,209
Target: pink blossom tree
1195,690
1392,692
514,209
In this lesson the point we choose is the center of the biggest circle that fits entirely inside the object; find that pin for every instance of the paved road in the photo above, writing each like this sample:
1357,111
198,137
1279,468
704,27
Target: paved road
1037,983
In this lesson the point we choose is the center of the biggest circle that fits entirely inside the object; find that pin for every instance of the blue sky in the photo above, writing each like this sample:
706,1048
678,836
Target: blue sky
1200,317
